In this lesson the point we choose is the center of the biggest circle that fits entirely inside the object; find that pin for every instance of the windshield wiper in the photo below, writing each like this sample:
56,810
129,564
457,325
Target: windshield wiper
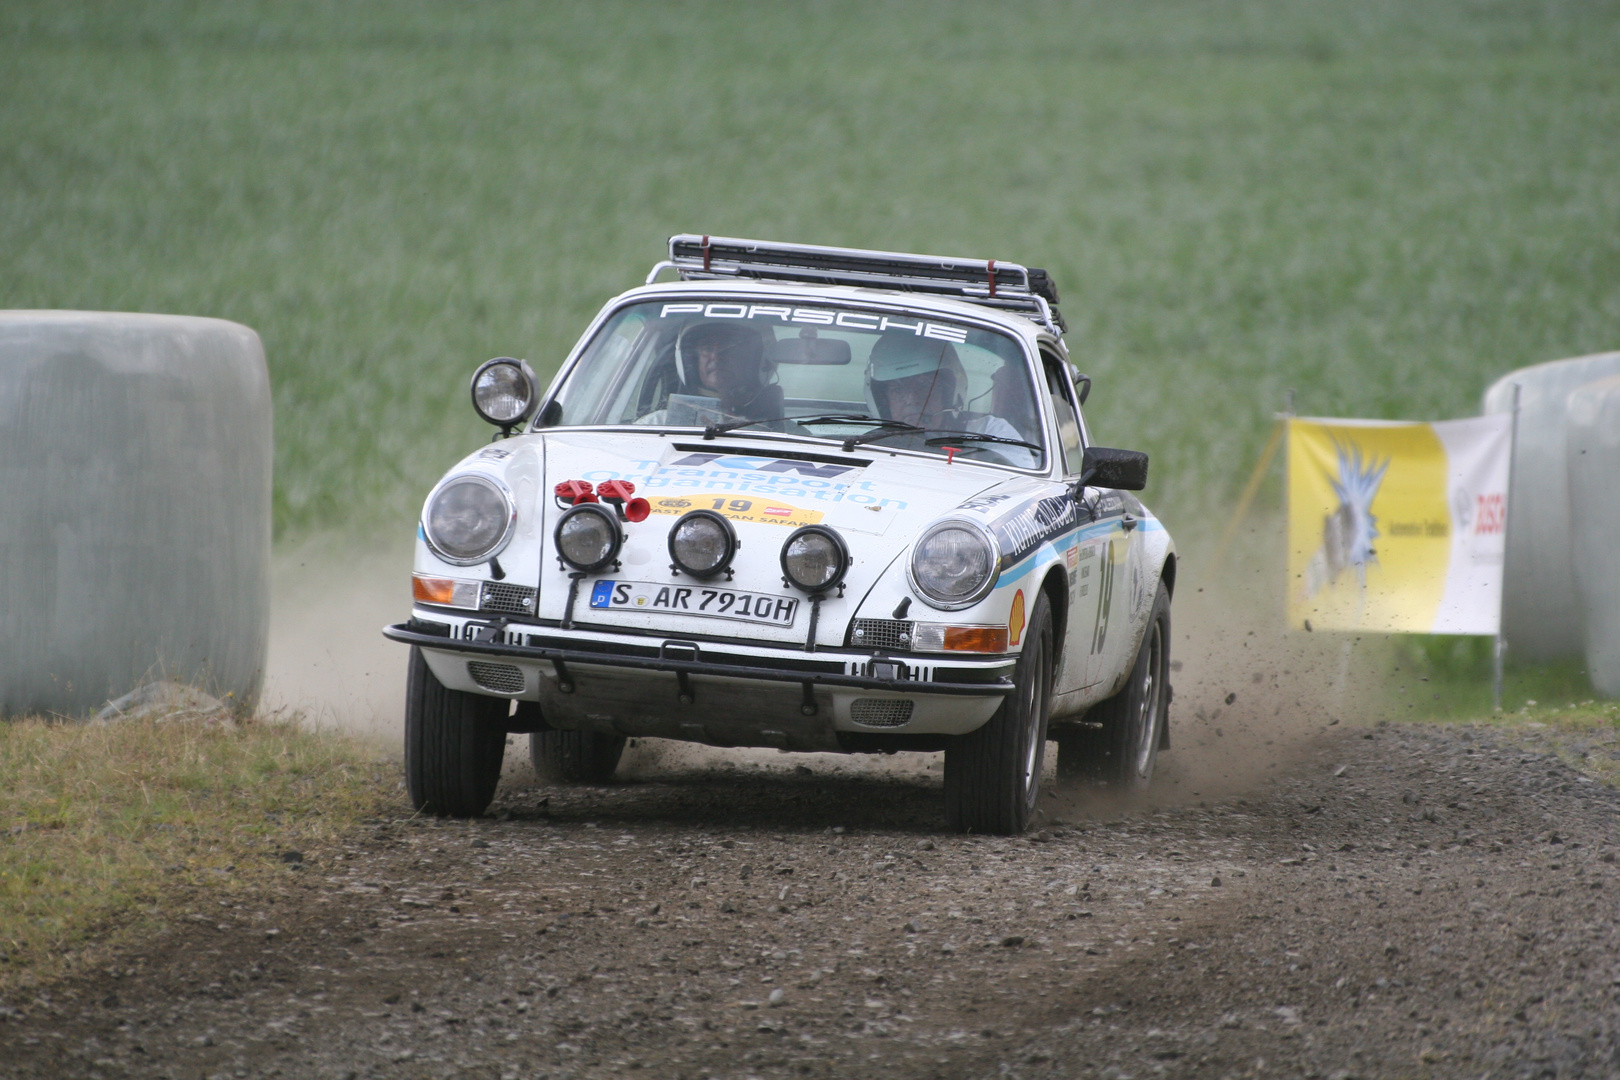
949,437
976,436
887,429
712,430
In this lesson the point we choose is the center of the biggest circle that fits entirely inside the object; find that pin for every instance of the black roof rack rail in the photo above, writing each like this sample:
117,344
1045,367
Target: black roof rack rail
1004,285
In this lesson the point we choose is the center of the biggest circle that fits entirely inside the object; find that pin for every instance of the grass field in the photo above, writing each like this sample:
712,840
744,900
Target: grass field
108,826
1380,205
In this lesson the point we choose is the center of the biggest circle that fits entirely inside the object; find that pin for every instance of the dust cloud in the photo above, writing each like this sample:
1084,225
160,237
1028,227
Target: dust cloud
1249,693
329,663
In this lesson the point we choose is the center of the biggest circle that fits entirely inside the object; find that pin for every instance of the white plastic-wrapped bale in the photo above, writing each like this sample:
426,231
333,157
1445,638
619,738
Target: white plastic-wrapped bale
135,457
1594,492
1540,598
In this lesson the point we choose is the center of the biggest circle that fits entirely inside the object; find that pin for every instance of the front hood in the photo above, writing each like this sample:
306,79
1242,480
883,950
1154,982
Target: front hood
772,487
878,500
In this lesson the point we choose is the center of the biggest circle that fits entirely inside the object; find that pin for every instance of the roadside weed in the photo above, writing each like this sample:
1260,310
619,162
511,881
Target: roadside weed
101,825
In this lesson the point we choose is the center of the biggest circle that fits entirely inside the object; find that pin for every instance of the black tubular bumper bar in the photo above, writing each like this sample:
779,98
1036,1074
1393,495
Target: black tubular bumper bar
561,657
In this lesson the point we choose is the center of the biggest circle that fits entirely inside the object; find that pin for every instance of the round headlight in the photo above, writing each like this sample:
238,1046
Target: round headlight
814,558
702,543
588,537
469,519
954,565
504,391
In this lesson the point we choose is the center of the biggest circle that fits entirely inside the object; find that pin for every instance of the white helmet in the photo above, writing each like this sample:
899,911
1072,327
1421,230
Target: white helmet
727,336
904,356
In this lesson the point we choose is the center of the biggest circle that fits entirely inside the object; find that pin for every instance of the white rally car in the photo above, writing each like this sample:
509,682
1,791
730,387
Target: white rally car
809,498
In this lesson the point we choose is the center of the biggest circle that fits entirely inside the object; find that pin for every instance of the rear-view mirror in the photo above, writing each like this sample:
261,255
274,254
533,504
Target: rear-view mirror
802,350
1125,470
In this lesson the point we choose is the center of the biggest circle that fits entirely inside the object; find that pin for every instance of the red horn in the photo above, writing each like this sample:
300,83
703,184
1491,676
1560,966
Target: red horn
573,492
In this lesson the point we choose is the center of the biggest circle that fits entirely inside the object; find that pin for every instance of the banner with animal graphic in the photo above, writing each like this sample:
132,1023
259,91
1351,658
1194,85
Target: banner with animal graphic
1397,527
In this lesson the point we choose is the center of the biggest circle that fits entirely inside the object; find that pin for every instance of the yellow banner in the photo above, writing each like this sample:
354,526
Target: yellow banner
1369,526
1397,527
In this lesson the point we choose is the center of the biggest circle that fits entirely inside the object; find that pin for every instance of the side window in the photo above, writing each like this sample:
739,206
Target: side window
1063,407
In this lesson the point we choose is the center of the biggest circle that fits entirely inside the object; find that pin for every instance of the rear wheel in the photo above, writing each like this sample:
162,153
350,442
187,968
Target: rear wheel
993,775
575,757
1118,743
454,742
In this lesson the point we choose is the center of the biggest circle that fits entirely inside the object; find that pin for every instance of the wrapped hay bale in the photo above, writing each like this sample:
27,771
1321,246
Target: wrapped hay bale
1541,604
1594,491
135,458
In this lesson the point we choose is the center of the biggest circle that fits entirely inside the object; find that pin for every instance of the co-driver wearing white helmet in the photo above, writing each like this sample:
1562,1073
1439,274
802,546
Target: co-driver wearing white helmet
919,381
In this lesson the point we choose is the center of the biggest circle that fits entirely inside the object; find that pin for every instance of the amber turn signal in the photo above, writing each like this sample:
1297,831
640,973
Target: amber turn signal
446,591
985,639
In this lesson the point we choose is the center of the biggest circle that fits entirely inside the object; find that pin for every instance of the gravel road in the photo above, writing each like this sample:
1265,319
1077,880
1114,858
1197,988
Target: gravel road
1391,902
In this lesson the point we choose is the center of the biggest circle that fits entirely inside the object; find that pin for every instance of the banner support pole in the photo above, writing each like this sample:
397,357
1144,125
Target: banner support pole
1496,673
1261,468
1499,652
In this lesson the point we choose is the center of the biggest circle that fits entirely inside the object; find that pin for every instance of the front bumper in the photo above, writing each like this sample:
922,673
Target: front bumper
722,694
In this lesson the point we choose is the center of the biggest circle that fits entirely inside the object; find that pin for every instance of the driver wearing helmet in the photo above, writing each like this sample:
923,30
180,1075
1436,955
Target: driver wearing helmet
724,362
920,381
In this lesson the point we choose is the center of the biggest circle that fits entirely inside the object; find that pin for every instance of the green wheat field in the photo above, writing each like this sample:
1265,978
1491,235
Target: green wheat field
1379,205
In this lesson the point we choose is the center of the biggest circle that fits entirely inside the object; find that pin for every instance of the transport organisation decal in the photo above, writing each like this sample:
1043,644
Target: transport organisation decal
782,481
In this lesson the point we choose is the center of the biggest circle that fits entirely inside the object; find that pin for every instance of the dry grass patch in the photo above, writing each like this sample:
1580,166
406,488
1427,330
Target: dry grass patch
103,826
1585,735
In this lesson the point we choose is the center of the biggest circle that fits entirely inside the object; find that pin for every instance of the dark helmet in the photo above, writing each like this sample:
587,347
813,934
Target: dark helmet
731,339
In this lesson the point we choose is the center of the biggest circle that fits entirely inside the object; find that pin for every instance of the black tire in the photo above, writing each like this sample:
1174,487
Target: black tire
993,775
454,742
1118,742
575,757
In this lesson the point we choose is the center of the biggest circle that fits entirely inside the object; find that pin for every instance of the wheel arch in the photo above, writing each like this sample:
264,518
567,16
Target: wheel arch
1055,586
1168,574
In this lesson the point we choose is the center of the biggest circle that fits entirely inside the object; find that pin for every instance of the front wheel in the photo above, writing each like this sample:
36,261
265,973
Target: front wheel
1118,742
454,742
993,775
575,757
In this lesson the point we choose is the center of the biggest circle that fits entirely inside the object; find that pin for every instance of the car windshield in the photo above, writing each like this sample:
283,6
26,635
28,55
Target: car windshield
826,370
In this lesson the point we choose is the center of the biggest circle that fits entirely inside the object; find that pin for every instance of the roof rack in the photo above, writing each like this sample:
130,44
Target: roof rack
1003,285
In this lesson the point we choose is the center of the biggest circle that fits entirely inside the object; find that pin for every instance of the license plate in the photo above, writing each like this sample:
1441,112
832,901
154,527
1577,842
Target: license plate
701,600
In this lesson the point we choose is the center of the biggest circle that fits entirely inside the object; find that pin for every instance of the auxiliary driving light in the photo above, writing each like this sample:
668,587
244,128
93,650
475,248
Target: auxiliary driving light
702,543
814,558
588,537
504,391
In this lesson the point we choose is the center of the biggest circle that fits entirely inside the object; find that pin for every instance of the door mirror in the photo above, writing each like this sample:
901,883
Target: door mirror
1125,470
